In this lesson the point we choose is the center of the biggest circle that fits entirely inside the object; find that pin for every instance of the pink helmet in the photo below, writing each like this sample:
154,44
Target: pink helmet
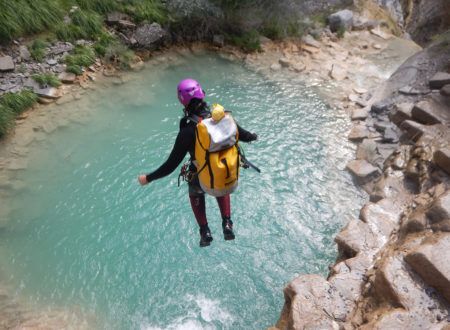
189,89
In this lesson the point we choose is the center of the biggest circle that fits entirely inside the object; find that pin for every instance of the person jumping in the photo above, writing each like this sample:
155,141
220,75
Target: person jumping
211,139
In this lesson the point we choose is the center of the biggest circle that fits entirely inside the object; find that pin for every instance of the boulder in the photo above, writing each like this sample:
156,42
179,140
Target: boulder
6,64
382,217
381,107
285,62
367,150
309,49
440,210
390,136
445,91
275,67
355,237
67,77
362,170
308,304
439,80
48,93
442,158
338,73
24,53
401,113
341,20
430,261
299,67
150,36
413,130
360,114
358,133
394,284
429,112
310,41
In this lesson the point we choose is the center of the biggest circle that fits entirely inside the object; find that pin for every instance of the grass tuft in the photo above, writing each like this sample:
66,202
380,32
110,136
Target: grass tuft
82,56
6,120
85,24
248,41
37,49
18,102
47,79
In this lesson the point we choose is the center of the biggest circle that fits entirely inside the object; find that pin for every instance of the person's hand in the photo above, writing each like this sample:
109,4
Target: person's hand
142,179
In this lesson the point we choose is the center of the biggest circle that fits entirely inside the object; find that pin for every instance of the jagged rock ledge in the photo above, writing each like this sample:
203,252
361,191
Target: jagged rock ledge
393,270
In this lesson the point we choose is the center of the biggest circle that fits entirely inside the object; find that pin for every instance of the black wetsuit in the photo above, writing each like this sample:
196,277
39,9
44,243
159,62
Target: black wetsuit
185,143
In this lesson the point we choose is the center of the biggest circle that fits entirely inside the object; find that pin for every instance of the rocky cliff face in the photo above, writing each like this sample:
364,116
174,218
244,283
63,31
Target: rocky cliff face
393,270
422,19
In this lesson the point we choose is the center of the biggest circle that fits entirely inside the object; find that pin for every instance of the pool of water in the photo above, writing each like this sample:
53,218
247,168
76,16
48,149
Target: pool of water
84,233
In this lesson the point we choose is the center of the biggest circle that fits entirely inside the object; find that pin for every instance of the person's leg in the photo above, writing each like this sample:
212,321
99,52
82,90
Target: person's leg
197,199
225,210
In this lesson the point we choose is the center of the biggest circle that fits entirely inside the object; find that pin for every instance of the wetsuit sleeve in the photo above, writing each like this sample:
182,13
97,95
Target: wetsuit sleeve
246,136
176,156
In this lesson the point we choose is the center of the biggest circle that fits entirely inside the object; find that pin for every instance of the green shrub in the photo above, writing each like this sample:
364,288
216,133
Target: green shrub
86,24
119,54
340,32
146,10
47,79
99,6
21,17
37,49
76,69
6,120
272,30
248,41
18,102
82,56
103,42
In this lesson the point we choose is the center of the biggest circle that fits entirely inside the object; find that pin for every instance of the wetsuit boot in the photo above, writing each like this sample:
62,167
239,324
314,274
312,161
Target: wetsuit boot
227,226
205,236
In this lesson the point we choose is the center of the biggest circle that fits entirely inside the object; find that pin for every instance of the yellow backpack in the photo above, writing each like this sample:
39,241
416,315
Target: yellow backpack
216,153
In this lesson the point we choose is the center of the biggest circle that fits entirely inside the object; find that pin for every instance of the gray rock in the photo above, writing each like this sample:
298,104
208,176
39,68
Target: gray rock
429,112
362,170
218,40
442,158
401,113
445,91
150,36
61,48
338,73
341,20
6,64
126,25
430,261
410,90
285,62
275,67
310,41
355,237
358,133
440,210
367,150
394,284
115,17
390,136
382,217
439,80
52,62
382,107
67,77
360,114
24,53
48,93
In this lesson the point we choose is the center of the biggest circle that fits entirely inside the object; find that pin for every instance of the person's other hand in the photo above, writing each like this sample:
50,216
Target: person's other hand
142,179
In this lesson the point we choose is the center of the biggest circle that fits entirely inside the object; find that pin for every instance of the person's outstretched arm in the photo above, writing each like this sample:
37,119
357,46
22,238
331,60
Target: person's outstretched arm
246,136
176,156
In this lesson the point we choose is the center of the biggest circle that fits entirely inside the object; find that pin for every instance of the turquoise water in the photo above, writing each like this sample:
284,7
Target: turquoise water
84,233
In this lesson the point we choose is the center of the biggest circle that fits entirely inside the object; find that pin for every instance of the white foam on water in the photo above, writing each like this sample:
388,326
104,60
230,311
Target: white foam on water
204,316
